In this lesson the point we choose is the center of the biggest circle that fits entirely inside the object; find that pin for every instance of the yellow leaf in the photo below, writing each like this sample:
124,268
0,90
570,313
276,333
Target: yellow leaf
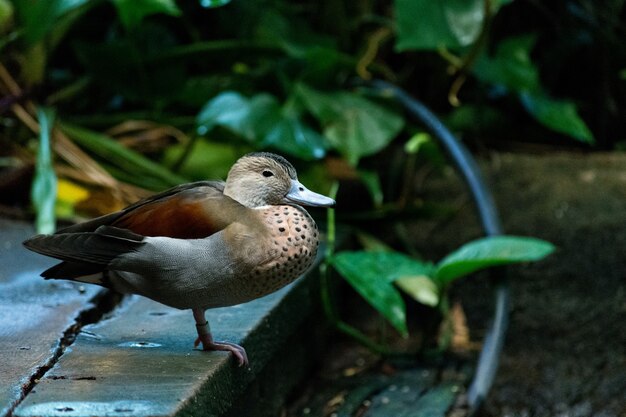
69,192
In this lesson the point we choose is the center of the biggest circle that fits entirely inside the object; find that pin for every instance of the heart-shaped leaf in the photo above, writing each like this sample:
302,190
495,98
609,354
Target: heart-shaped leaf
262,121
372,275
490,251
354,125
424,24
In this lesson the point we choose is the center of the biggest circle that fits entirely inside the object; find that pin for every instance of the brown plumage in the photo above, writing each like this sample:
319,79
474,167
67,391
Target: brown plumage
200,245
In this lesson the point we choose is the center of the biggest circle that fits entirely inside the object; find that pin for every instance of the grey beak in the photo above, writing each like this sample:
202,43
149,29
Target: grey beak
301,195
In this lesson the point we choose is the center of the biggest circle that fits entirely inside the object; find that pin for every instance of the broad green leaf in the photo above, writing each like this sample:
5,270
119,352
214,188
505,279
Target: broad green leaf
353,125
132,12
490,251
206,160
252,118
38,17
511,65
558,115
424,24
372,275
129,161
229,109
264,113
263,122
421,288
512,68
44,187
290,135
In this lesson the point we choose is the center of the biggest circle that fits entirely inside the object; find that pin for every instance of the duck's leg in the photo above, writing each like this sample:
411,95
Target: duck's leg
205,337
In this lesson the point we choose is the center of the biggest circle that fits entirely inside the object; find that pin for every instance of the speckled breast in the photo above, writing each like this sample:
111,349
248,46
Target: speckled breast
294,241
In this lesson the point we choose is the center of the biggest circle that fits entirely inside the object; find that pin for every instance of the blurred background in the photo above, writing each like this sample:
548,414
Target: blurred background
145,94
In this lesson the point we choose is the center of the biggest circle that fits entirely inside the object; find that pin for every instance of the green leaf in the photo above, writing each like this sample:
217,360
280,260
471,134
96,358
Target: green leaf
38,17
511,65
206,160
421,288
372,275
127,160
263,122
290,135
132,12
228,109
44,187
490,251
558,115
353,125
424,24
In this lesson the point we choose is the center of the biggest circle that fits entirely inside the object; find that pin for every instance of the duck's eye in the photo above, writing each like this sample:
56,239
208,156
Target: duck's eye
267,173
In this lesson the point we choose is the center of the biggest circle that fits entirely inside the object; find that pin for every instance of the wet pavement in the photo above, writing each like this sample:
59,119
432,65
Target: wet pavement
35,314
136,358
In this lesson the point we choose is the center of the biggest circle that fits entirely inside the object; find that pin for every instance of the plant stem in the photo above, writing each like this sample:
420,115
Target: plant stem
213,46
328,253
327,303
445,337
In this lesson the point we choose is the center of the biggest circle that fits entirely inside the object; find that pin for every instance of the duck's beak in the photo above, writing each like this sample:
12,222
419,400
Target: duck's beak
302,195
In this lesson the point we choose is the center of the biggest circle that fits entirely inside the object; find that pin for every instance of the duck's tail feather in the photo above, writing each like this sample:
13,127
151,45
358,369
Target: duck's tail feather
85,254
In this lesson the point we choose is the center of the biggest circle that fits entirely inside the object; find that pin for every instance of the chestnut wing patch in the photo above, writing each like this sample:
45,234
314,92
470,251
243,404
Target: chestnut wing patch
192,213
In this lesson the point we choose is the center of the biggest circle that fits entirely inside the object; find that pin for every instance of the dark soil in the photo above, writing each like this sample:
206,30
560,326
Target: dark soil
565,353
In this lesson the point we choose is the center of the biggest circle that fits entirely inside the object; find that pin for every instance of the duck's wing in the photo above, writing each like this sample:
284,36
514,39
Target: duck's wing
186,211
189,211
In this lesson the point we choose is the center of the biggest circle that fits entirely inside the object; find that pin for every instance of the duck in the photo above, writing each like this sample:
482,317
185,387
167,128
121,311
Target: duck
200,245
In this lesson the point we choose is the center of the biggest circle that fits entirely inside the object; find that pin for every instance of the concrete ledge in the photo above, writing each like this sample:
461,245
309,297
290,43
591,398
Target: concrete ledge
36,316
140,361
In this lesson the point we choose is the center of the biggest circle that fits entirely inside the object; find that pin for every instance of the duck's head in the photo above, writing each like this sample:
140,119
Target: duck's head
262,178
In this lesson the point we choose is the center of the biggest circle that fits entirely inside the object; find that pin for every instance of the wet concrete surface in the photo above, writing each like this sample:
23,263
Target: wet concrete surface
141,362
35,314
137,360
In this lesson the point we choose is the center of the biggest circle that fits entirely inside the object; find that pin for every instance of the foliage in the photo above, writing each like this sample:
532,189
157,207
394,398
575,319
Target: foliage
150,93
374,273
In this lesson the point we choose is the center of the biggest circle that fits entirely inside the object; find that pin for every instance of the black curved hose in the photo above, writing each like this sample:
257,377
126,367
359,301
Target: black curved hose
488,213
